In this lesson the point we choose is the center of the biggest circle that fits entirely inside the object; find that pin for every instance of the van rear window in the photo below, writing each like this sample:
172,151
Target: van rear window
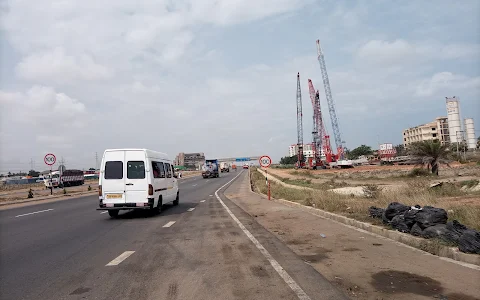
136,170
113,170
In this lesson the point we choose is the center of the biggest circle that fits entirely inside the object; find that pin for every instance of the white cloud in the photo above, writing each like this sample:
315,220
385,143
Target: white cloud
57,66
43,108
401,52
446,82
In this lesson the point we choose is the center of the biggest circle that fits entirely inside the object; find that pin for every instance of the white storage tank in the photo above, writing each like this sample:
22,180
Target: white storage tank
454,121
470,133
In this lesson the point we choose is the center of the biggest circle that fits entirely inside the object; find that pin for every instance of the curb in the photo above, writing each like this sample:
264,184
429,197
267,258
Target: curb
71,196
445,251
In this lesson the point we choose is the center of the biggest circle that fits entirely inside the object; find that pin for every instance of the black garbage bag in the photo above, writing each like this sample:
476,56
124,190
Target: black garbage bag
398,222
469,241
416,230
436,231
454,231
394,209
430,216
376,212
410,216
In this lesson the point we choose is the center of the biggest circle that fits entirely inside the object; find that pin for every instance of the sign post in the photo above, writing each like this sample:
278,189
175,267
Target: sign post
50,160
265,161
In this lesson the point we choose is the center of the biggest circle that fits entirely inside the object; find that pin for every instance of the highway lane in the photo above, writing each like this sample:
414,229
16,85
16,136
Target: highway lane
193,251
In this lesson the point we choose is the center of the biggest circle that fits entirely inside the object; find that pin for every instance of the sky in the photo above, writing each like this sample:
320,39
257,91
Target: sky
219,77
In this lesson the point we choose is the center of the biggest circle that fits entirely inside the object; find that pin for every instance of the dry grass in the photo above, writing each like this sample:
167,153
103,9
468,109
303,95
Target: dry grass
447,196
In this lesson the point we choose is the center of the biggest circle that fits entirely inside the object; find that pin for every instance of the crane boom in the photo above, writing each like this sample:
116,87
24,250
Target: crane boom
331,104
317,122
299,123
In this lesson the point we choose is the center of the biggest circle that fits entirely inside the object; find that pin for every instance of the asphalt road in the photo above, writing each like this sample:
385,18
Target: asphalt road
196,250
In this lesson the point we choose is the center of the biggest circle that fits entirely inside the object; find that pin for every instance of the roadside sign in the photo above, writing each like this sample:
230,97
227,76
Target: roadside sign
265,161
50,159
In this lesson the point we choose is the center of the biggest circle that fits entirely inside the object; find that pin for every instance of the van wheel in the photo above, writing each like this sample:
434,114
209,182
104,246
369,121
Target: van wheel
159,205
113,213
177,200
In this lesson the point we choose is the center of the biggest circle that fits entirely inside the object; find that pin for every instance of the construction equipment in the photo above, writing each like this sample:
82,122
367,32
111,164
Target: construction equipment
300,161
331,104
318,132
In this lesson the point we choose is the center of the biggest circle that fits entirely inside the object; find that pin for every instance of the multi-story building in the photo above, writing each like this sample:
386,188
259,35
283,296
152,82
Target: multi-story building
190,160
435,130
308,151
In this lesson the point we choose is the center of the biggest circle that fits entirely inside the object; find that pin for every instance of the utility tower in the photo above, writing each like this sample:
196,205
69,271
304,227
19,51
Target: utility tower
331,104
299,123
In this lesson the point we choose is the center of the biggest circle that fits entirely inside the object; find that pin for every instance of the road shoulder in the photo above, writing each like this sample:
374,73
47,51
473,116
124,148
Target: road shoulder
309,280
363,265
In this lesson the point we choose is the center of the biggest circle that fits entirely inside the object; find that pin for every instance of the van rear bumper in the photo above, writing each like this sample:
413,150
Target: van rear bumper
127,206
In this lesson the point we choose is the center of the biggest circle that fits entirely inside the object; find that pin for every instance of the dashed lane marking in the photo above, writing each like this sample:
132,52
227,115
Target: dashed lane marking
104,212
194,185
191,209
285,276
202,200
35,212
169,224
120,258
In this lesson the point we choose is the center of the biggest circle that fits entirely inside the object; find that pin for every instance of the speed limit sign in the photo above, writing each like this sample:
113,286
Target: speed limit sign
265,161
50,159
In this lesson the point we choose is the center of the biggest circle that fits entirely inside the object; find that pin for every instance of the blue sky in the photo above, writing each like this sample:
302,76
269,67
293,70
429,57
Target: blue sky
220,76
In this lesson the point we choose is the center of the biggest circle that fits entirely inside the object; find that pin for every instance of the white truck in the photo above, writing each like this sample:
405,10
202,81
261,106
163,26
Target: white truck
224,167
66,178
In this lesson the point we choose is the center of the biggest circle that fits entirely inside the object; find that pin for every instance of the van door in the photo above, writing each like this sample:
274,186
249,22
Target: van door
169,181
113,180
136,184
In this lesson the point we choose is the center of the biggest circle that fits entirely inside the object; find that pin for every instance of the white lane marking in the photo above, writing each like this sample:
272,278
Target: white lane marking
191,209
202,200
194,185
288,280
169,224
120,258
104,212
211,195
35,212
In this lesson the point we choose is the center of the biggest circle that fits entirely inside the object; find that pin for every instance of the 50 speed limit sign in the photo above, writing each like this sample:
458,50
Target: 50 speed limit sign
265,161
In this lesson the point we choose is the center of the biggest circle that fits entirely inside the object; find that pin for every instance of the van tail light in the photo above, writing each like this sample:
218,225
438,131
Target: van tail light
150,190
100,191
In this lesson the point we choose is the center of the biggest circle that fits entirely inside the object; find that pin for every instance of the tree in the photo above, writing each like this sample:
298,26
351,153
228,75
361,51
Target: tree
400,149
431,152
91,169
478,142
33,173
9,174
288,160
359,151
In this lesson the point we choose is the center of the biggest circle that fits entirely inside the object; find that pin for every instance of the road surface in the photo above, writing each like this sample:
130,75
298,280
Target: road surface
196,250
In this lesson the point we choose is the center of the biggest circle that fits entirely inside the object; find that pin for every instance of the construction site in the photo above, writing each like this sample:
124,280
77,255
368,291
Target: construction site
319,154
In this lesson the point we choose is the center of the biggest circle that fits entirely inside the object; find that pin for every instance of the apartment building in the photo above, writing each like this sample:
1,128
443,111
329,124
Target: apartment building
307,151
435,130
190,160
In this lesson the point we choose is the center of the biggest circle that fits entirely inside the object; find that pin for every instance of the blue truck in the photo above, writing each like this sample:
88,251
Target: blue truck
210,169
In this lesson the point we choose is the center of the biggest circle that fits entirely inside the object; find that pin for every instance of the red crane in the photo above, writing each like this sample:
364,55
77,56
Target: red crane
321,139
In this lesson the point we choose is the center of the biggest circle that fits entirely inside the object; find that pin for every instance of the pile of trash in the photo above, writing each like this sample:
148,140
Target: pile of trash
428,222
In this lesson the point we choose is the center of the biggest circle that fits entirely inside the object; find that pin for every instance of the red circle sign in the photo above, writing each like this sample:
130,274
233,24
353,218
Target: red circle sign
265,161
49,159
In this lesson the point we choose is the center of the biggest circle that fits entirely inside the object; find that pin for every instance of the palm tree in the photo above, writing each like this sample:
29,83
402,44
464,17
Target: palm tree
431,152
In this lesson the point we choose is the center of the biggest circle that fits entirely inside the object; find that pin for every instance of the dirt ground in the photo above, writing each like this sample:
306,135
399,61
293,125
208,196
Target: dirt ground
362,265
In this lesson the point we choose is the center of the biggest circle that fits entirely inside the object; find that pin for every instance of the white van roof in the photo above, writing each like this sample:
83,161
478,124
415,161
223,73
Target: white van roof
148,153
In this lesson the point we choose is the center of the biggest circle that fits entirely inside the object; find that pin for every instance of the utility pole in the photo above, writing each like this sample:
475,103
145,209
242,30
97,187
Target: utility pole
96,161
32,164
62,161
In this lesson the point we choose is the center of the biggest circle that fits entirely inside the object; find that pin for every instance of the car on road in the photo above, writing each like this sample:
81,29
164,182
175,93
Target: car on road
136,179
245,166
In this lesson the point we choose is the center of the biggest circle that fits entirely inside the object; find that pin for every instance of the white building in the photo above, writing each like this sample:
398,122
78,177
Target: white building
435,130
470,133
454,121
308,151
